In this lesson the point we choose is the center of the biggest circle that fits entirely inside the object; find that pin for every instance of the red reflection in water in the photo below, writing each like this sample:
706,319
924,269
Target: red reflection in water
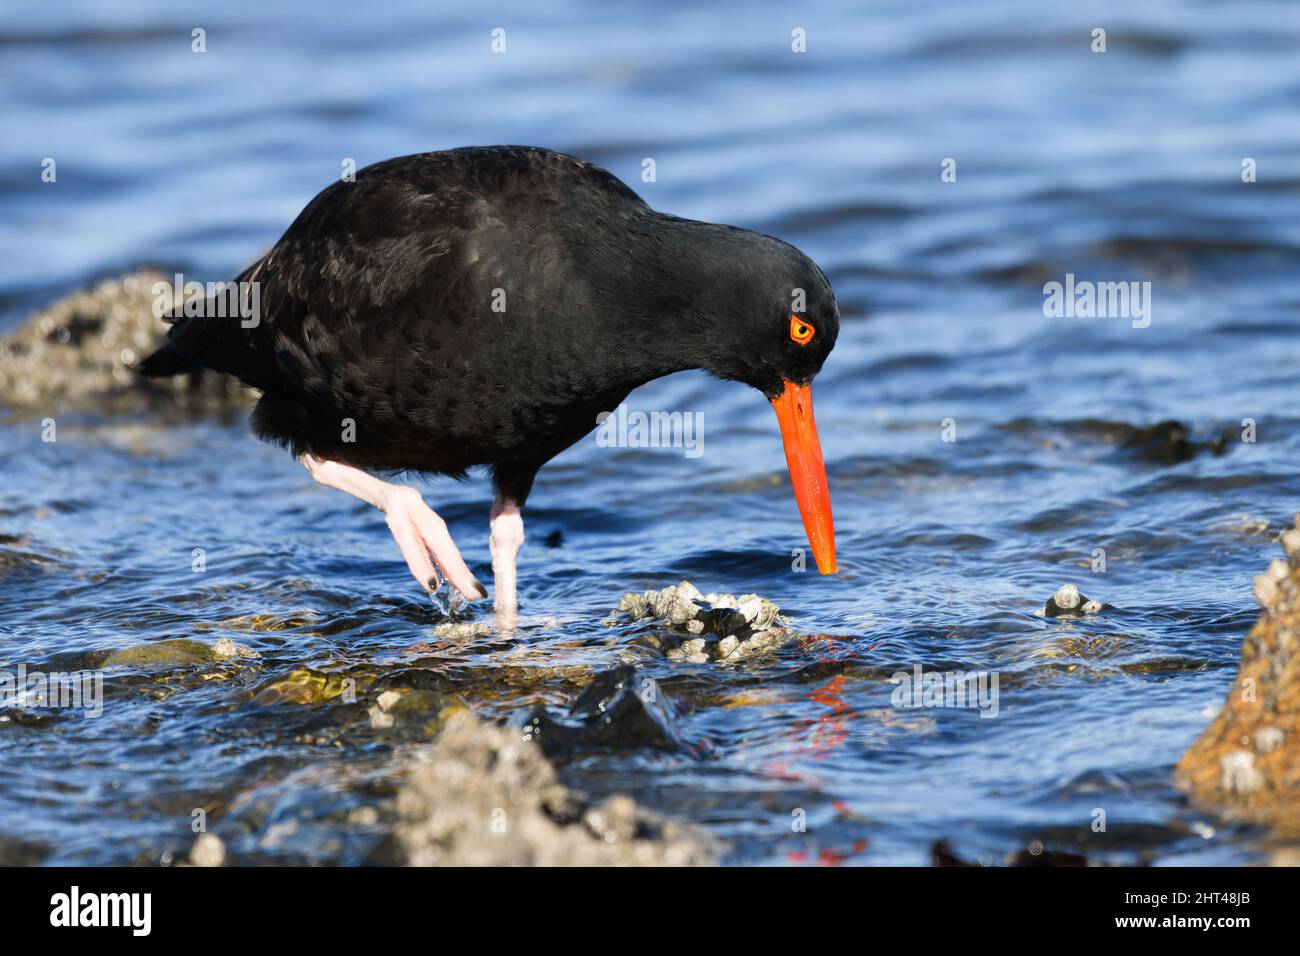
817,738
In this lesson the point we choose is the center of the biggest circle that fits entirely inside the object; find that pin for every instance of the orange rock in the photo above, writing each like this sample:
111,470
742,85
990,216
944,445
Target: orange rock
1246,765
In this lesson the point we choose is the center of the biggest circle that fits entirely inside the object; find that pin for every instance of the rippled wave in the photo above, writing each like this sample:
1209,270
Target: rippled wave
1071,435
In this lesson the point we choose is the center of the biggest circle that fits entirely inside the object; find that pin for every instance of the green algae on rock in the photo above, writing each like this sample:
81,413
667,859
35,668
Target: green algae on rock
305,685
175,653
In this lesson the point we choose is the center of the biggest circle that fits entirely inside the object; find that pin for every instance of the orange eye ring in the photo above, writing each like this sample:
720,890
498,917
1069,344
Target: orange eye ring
801,332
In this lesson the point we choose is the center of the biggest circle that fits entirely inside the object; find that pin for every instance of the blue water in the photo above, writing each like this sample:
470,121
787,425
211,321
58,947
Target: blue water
1116,166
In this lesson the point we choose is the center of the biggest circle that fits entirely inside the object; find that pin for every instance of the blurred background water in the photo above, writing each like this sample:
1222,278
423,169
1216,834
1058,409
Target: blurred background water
1115,166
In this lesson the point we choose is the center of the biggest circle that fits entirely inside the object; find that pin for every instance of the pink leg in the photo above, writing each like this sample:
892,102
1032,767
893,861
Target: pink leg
507,537
420,534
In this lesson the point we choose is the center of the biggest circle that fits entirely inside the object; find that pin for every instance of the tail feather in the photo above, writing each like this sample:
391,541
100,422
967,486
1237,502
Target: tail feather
168,360
211,338
186,342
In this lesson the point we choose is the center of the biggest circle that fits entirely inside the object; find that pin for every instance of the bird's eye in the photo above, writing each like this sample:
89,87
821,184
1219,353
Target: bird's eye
801,332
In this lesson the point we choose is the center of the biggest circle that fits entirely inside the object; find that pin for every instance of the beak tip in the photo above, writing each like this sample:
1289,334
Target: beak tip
803,453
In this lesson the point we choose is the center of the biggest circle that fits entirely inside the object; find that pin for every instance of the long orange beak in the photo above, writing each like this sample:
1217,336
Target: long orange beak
803,454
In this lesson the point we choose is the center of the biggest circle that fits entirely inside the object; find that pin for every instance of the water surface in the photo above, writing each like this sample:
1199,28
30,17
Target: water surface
1117,166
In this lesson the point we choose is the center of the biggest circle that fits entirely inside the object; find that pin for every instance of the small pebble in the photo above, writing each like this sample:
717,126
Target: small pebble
380,718
364,817
208,850
463,629
225,648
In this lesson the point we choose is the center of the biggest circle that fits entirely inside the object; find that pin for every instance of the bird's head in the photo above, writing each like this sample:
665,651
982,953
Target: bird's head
772,321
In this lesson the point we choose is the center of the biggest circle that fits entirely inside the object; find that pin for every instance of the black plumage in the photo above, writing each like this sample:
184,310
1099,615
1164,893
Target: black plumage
377,307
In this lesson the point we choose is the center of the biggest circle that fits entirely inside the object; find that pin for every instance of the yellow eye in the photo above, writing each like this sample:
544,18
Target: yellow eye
801,332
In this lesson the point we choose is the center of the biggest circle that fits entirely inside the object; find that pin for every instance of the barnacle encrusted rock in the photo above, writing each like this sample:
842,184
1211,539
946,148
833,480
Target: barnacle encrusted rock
1247,762
462,629
79,355
676,605
1068,602
487,797
727,630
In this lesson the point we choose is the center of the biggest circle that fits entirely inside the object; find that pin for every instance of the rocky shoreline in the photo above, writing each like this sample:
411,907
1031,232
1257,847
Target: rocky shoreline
1246,765
78,355
488,794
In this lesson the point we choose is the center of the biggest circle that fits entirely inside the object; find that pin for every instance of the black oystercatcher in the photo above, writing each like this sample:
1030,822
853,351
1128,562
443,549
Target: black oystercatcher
482,306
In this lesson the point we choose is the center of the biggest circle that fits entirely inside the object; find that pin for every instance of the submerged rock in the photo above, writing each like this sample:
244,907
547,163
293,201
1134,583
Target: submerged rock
79,354
1171,443
1068,602
1033,855
176,653
728,630
19,851
617,711
1247,762
18,557
488,798
415,712
460,630
305,685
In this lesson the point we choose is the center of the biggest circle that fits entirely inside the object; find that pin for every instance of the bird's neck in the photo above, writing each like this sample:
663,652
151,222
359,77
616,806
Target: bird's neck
674,295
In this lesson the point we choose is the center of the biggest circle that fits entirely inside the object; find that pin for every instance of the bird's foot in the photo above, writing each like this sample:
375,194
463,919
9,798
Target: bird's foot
449,602
419,532
426,544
